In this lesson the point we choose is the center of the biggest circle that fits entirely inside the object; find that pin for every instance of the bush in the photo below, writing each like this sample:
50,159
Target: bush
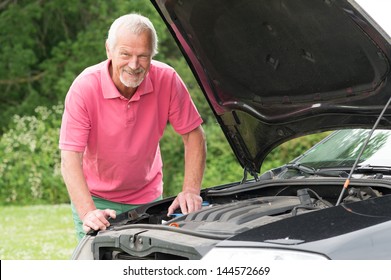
30,171
290,150
30,159
221,164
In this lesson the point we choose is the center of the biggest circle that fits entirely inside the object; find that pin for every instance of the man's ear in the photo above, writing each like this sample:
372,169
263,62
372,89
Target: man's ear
108,52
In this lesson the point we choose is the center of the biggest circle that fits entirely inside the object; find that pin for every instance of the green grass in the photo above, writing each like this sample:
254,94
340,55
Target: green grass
36,232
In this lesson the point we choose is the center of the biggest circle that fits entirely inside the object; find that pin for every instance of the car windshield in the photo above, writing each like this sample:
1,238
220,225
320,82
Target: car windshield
341,149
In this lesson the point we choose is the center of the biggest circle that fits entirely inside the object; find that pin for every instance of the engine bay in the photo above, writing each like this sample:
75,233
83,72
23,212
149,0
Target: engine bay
227,211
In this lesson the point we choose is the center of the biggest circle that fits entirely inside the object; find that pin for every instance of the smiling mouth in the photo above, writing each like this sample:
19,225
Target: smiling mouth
132,78
133,72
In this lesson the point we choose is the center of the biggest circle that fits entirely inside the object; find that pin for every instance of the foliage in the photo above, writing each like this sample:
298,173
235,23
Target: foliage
183,70
44,46
290,150
221,165
30,161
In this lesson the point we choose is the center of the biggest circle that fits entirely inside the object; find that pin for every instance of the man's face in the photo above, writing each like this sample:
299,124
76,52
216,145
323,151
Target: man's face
131,59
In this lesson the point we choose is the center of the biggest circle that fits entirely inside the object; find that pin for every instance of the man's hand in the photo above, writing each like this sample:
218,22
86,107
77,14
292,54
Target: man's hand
97,219
187,201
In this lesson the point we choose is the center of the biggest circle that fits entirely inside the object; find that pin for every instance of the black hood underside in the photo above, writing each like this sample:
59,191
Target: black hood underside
276,70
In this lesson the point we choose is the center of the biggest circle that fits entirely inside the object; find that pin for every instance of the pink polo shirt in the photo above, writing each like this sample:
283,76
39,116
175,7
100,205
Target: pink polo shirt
120,137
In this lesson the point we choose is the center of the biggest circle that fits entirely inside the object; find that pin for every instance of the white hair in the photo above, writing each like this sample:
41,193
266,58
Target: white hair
136,24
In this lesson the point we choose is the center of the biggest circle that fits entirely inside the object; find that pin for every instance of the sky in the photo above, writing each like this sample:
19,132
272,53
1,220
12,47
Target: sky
380,11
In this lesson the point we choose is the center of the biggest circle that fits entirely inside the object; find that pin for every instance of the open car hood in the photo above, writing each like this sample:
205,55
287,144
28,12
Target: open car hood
275,70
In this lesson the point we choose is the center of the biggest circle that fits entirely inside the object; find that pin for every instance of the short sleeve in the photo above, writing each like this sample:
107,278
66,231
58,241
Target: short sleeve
75,125
183,115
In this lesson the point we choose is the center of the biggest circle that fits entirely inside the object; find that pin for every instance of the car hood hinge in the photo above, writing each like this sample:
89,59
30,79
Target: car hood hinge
250,171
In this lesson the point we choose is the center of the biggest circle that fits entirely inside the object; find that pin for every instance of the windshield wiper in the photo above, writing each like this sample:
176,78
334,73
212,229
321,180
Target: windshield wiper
318,172
373,169
302,168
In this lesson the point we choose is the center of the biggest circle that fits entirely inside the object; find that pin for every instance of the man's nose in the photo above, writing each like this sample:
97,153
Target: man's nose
133,62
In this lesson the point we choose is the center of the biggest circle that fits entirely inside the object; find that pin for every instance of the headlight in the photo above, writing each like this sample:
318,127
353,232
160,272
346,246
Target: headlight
238,254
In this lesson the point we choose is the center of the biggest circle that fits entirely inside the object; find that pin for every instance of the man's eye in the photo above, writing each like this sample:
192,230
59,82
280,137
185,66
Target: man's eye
144,57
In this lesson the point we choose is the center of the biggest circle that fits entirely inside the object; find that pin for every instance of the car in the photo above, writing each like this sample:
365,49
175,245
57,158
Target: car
273,71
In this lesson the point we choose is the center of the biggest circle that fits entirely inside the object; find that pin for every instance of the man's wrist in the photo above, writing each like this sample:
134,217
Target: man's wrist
84,213
193,190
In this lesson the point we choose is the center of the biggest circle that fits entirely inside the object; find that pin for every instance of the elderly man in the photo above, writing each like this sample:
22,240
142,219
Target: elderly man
115,114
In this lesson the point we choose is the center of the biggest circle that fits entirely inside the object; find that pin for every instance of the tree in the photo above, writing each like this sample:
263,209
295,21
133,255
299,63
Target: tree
45,44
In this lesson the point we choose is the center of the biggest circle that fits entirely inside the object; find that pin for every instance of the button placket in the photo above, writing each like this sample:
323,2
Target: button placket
129,113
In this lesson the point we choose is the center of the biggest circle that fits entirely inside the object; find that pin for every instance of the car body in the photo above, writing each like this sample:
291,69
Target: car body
274,71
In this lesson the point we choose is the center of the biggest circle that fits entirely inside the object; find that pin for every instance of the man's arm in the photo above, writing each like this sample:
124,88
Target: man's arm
72,172
189,199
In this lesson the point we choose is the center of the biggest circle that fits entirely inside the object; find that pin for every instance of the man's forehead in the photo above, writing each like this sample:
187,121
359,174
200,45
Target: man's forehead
131,39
